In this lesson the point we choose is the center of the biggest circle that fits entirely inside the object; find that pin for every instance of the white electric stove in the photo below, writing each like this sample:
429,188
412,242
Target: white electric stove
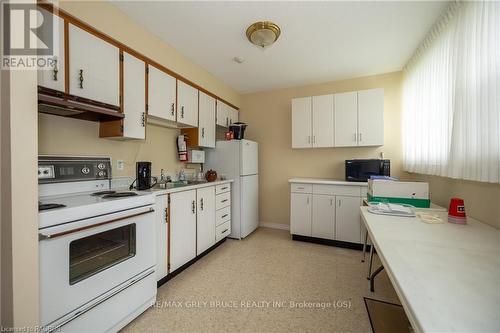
96,247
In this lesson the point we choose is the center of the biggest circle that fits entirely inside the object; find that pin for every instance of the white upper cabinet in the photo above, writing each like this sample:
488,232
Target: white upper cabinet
301,122
93,67
233,115
222,114
322,121
187,105
371,117
346,119
134,100
53,78
206,127
161,94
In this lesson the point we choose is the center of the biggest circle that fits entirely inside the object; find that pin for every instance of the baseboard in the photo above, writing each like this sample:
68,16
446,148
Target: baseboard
275,226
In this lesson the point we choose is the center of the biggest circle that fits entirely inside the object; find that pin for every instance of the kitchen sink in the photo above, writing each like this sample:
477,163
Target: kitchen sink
181,183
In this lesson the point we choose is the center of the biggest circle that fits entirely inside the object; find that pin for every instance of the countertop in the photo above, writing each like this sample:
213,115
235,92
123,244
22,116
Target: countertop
325,181
447,276
163,191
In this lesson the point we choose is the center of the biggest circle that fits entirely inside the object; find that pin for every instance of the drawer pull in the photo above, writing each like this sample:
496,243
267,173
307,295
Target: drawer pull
224,231
300,188
223,216
225,200
224,188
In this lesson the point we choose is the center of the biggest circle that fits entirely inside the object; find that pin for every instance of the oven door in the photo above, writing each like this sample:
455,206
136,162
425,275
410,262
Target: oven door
82,260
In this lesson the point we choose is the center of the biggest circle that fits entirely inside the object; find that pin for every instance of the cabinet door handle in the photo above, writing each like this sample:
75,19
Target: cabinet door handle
193,206
143,119
314,138
308,200
81,78
56,70
223,216
203,132
224,231
166,215
360,136
224,200
340,202
201,203
355,137
331,202
227,122
172,109
308,139
182,111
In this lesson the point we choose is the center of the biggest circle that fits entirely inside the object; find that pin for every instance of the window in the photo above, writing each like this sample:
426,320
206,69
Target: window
451,96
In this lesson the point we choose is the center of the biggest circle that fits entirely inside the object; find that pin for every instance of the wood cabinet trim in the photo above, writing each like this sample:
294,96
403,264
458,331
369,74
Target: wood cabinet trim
82,25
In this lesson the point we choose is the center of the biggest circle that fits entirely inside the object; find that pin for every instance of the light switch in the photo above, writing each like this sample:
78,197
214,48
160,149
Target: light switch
120,165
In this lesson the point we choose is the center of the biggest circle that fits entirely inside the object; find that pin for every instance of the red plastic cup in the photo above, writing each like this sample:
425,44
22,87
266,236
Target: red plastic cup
456,211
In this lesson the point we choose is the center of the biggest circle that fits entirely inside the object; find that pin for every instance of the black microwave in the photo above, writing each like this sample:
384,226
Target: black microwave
362,170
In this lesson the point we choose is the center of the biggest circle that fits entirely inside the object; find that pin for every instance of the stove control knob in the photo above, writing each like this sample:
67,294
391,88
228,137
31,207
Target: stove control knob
101,173
101,166
85,170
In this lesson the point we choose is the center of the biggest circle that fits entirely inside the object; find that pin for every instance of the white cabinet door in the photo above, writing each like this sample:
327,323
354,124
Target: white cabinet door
233,115
134,100
182,228
205,229
93,67
301,122
300,214
53,77
161,236
206,126
161,94
346,119
323,216
322,121
371,117
187,105
222,114
347,223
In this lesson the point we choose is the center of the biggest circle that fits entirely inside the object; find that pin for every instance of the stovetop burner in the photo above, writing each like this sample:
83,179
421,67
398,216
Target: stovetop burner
120,195
103,193
49,206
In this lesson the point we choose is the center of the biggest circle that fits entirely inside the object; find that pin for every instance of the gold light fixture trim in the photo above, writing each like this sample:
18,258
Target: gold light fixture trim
263,33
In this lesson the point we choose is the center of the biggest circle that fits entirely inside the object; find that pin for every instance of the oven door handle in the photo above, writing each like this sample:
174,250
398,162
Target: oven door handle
44,236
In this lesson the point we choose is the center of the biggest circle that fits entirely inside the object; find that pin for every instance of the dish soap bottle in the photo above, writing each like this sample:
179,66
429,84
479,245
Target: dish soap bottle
182,176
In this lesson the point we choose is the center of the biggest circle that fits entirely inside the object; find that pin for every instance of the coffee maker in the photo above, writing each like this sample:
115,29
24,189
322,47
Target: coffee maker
143,170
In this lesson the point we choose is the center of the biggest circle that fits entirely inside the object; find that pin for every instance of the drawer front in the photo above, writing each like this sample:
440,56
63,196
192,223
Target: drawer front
222,200
222,188
301,188
336,190
222,231
222,215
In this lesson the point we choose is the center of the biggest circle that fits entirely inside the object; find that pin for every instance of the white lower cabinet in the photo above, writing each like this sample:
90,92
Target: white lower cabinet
323,217
205,229
182,228
347,218
326,211
300,214
161,212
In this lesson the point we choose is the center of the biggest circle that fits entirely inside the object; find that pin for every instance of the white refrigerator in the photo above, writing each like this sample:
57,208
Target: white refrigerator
238,160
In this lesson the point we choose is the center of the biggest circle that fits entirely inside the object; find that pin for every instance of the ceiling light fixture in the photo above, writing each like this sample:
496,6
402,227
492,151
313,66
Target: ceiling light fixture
263,33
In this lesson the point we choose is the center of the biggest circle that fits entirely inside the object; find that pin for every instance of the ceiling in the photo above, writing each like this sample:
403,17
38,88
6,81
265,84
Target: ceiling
320,41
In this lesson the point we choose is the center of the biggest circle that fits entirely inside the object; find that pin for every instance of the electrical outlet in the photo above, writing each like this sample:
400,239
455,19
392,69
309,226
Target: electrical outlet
120,165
